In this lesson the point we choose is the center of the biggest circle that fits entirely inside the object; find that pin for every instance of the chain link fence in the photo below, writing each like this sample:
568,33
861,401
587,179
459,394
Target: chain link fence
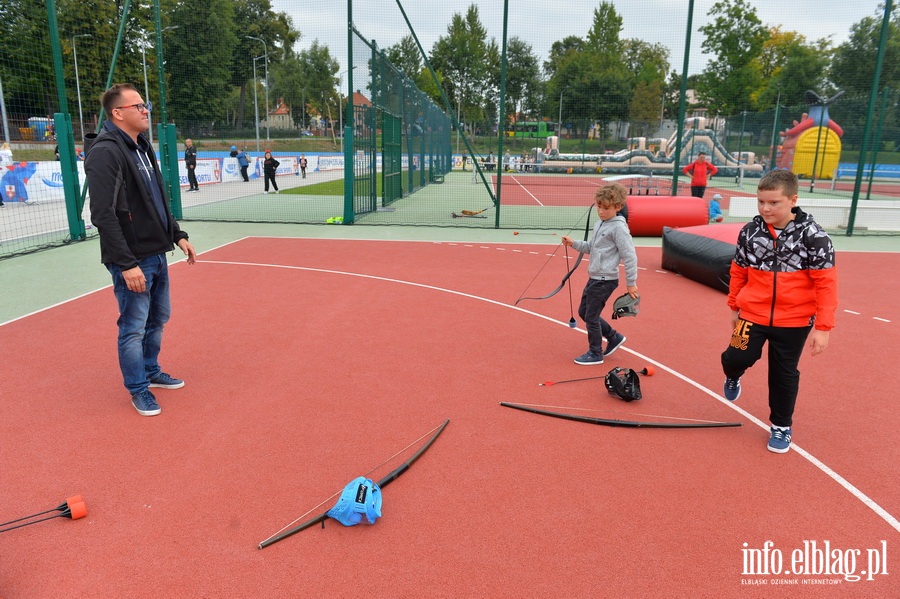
465,120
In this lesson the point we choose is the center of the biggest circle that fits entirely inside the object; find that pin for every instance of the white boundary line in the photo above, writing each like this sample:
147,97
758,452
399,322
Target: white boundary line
87,293
865,499
526,190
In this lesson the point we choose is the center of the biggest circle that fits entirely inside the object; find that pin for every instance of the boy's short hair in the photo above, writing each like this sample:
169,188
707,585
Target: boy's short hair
613,195
779,180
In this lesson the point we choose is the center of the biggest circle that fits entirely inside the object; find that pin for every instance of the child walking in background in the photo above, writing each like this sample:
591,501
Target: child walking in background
783,287
610,244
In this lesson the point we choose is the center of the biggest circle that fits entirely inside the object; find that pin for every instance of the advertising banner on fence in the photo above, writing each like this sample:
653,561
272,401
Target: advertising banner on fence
208,171
30,182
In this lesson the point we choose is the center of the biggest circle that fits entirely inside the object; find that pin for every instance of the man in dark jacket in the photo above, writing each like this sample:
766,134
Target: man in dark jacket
131,213
190,162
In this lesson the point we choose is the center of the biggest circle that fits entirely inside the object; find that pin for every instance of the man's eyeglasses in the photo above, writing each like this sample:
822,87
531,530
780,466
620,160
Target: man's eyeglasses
142,107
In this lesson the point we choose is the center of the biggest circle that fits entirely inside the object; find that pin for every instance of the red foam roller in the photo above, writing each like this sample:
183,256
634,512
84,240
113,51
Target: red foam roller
647,215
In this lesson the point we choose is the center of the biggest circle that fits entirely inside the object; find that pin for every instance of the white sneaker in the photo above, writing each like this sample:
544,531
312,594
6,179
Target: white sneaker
265,192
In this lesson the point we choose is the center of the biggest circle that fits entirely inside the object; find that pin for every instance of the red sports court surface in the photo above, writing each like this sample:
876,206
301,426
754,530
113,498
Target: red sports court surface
311,362
549,189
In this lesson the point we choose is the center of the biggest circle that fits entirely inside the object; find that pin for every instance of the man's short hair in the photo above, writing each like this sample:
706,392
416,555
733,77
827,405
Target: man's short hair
779,180
110,98
613,195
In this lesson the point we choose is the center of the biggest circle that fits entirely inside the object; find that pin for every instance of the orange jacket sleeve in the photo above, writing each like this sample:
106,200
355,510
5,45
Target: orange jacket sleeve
825,284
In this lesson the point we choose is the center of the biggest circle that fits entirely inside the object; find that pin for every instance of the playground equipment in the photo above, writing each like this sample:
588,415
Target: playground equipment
812,147
645,156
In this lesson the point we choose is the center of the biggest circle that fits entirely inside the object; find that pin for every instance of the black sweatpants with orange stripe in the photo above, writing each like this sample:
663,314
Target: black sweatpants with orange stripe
785,348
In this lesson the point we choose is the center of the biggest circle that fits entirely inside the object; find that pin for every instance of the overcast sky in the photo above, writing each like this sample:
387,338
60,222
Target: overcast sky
542,22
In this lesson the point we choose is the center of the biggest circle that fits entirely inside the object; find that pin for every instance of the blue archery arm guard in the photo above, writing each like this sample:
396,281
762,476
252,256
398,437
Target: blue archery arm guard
361,497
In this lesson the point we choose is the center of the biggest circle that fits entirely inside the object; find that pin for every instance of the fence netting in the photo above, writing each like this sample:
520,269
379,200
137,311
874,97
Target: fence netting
451,114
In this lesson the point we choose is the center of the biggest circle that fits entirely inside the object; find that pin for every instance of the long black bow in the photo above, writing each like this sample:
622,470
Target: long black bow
619,423
393,475
587,230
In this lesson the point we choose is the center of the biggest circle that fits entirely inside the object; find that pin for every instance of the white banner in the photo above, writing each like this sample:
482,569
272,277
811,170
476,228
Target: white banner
208,171
287,166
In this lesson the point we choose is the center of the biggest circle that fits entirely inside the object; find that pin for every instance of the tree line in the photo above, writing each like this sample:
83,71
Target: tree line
210,48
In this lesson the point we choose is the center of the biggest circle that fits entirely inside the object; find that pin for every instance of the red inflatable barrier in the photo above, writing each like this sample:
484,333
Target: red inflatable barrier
647,215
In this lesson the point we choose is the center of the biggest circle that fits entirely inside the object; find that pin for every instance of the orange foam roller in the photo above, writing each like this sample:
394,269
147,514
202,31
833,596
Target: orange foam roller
647,215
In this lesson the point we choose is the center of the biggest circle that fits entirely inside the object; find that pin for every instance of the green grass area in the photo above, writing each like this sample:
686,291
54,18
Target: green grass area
328,188
325,188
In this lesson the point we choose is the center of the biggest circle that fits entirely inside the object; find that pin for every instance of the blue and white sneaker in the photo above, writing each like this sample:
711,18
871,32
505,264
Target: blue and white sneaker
589,358
780,439
145,404
614,344
165,381
732,389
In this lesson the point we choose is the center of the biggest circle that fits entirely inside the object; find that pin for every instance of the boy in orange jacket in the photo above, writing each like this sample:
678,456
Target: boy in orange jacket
783,290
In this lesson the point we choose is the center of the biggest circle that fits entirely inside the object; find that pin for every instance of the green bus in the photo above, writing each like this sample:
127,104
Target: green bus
531,129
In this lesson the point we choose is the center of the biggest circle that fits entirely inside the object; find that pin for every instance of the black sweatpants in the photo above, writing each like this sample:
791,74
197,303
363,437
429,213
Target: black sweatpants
785,348
593,300
270,177
698,190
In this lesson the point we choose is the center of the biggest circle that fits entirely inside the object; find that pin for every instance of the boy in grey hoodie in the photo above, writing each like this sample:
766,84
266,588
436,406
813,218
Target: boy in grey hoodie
610,244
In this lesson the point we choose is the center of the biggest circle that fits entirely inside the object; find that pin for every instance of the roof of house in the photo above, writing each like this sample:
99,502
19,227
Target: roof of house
280,108
360,100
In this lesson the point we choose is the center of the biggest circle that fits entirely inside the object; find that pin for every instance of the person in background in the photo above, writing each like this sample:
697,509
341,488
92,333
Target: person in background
303,162
244,162
190,162
715,209
234,152
270,167
130,209
700,171
6,156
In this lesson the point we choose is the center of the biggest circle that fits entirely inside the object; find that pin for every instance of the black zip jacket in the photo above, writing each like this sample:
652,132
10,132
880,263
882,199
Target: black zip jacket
122,207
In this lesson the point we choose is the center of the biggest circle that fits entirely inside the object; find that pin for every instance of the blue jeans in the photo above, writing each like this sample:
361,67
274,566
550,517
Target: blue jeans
593,300
142,317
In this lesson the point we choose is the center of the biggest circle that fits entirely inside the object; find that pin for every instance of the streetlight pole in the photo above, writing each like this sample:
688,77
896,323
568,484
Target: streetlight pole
559,125
78,83
341,103
256,103
3,113
266,55
146,92
146,86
